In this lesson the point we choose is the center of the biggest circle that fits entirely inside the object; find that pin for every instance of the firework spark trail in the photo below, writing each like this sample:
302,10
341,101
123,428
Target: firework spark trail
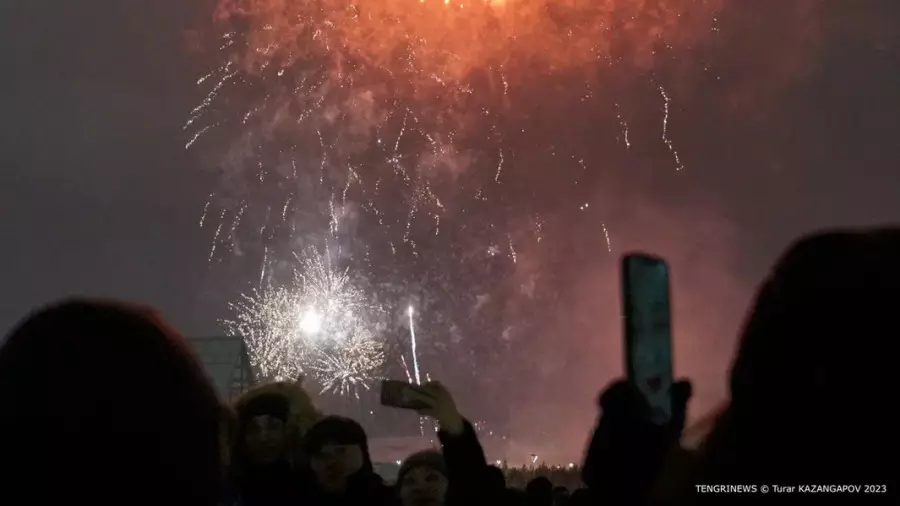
415,356
206,210
265,263
624,126
227,73
606,235
409,377
320,323
413,344
336,67
215,240
665,130
197,135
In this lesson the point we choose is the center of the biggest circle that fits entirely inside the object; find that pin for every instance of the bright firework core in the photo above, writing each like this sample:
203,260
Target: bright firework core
310,322
320,325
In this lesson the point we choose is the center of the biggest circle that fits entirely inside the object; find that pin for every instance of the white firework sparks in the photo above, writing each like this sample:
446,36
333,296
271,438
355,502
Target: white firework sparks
350,367
260,320
320,324
378,104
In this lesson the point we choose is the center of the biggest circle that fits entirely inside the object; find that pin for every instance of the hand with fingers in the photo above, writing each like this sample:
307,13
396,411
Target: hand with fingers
438,404
628,448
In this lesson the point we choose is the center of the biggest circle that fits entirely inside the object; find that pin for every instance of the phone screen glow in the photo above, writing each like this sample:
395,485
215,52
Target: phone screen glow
649,333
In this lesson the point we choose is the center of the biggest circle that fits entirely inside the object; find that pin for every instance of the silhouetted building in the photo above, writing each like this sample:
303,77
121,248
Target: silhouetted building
226,362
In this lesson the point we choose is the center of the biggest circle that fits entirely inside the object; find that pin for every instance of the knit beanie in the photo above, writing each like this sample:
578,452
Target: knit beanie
431,459
337,430
274,405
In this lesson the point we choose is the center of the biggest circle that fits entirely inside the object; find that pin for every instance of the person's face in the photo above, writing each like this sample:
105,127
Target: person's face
334,463
265,439
423,486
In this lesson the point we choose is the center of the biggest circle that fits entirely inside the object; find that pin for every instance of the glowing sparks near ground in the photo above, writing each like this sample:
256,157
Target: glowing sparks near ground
319,324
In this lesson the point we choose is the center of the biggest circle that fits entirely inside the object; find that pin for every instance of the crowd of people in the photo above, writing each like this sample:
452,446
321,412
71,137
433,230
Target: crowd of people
103,402
568,477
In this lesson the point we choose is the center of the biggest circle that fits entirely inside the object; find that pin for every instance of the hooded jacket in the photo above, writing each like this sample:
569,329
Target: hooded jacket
281,482
302,413
364,487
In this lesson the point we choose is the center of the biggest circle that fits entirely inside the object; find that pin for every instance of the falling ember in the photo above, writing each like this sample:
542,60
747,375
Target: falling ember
215,240
665,130
205,211
623,125
606,235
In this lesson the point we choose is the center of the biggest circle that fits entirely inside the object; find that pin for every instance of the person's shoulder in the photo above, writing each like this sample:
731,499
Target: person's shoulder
381,488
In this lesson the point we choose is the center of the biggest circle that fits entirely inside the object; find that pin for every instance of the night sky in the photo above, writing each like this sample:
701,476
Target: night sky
793,130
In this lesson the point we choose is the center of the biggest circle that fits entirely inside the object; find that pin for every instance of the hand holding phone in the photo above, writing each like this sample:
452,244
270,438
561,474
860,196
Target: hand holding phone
648,331
432,400
403,395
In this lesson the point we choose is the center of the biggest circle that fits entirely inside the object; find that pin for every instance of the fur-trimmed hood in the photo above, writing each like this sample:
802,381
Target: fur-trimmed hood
302,415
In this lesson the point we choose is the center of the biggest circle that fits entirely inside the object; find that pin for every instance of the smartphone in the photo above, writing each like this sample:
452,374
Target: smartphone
400,394
648,330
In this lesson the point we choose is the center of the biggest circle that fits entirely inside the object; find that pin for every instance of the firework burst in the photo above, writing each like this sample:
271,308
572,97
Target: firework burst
393,101
350,367
320,324
260,320
414,132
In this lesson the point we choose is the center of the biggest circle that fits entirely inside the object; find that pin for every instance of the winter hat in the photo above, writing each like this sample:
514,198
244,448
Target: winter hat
274,405
301,412
337,430
431,459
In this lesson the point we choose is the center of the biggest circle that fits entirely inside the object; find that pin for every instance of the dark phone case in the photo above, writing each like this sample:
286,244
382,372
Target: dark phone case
393,394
